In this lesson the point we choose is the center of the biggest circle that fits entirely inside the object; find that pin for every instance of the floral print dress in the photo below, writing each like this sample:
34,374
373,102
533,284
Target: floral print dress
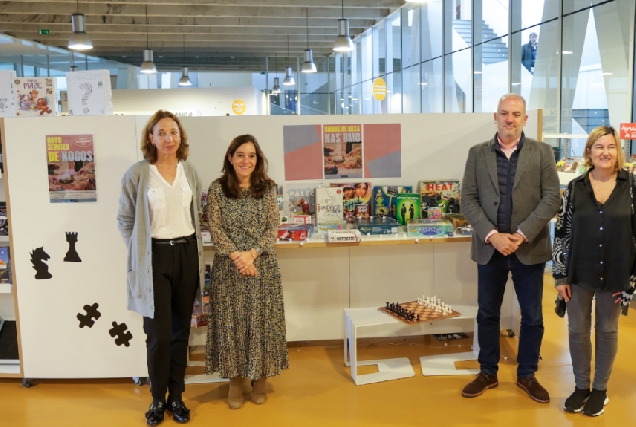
246,321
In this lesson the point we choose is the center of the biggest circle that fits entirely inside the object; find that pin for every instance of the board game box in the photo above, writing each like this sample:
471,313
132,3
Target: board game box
429,228
439,197
89,93
7,103
407,206
383,199
299,199
353,196
377,225
35,96
329,205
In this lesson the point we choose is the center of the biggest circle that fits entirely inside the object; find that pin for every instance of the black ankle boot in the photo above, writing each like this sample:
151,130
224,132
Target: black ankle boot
154,416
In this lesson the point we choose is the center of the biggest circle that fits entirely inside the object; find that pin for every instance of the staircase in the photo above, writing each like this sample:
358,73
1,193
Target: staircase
493,51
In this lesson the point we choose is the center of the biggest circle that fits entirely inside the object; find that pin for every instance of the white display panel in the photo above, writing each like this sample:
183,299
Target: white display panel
53,344
318,283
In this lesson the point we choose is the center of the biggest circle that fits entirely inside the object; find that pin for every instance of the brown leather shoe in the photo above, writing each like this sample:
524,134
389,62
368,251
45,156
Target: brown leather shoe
479,385
534,389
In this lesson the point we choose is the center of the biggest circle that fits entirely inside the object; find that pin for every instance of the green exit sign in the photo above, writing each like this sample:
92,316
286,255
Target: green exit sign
44,32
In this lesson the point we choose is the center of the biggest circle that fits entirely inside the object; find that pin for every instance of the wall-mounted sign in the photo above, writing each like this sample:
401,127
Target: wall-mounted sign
71,168
238,106
628,131
43,32
379,89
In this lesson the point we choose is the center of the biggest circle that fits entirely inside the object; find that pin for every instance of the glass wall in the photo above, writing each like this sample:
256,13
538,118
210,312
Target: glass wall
569,58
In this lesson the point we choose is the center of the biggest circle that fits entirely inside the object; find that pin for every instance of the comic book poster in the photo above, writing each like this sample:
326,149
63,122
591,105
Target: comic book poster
354,195
407,206
384,200
342,147
71,168
439,197
35,96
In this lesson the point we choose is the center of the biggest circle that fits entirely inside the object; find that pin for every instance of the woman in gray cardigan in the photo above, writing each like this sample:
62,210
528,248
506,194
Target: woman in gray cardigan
159,220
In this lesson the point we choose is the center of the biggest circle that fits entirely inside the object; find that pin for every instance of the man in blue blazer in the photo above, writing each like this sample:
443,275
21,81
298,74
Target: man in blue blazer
510,191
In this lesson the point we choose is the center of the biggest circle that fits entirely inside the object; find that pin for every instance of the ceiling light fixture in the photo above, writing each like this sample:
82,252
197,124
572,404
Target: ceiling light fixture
289,78
79,39
148,67
343,41
184,80
308,66
276,88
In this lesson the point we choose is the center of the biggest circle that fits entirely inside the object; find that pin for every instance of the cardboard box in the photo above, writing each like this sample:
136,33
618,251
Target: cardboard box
328,205
375,225
428,228
35,96
7,103
89,93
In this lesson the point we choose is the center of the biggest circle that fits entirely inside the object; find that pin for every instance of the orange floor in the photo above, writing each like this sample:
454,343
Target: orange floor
318,391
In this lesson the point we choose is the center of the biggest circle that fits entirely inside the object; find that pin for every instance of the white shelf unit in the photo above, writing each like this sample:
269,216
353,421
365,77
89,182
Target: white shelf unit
5,288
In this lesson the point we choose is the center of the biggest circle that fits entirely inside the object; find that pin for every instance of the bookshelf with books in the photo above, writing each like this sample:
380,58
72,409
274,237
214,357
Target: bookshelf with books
9,343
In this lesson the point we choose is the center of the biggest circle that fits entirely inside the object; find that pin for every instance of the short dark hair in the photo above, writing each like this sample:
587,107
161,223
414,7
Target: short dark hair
148,148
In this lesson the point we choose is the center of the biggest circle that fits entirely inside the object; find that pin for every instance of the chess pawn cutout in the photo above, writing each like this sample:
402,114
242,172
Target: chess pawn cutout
71,255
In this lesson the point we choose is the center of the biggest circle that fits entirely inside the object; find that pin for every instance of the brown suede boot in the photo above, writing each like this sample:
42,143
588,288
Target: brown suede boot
258,391
235,397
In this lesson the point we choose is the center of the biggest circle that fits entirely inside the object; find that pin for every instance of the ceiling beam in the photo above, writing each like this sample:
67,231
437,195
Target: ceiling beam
119,22
312,4
172,10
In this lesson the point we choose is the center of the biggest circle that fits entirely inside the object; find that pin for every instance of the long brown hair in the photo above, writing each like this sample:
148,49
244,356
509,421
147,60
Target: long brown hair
148,148
260,183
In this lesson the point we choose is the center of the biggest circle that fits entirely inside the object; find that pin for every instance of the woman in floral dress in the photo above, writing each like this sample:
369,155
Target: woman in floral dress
246,325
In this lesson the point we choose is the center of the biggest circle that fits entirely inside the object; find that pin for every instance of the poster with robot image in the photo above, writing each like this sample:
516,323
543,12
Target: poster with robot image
89,93
34,96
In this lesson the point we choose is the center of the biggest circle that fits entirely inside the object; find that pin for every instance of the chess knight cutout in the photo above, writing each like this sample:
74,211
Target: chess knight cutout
71,255
123,336
91,313
38,256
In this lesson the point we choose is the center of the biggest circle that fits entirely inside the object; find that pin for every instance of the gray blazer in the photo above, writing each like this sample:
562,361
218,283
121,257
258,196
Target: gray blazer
535,199
133,221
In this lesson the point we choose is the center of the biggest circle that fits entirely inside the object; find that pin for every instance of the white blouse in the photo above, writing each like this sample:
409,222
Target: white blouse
170,215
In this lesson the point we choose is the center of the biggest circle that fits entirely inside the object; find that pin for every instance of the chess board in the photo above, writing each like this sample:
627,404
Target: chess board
427,314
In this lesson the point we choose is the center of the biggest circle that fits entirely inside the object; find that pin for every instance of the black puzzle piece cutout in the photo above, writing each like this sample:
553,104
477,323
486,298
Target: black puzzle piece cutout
91,313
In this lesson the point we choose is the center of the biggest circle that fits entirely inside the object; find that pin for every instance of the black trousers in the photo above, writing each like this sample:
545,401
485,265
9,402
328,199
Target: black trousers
175,282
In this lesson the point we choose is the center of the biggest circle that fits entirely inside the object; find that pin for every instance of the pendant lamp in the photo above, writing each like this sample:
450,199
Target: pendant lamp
289,78
148,67
79,39
276,88
343,41
184,80
308,66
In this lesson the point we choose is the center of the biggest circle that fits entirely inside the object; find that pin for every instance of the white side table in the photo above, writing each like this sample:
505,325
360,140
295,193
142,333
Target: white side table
392,369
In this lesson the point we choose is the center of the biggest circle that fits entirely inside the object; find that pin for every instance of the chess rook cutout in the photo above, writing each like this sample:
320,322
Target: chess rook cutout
424,310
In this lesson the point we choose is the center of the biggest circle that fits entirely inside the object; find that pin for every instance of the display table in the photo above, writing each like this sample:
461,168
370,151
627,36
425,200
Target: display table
391,369
321,279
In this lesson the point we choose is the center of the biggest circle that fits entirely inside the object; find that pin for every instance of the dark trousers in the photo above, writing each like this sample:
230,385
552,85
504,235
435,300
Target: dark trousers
175,282
528,283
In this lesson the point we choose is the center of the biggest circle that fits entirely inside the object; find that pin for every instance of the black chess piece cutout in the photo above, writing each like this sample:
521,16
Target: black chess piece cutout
38,256
91,313
123,336
71,255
